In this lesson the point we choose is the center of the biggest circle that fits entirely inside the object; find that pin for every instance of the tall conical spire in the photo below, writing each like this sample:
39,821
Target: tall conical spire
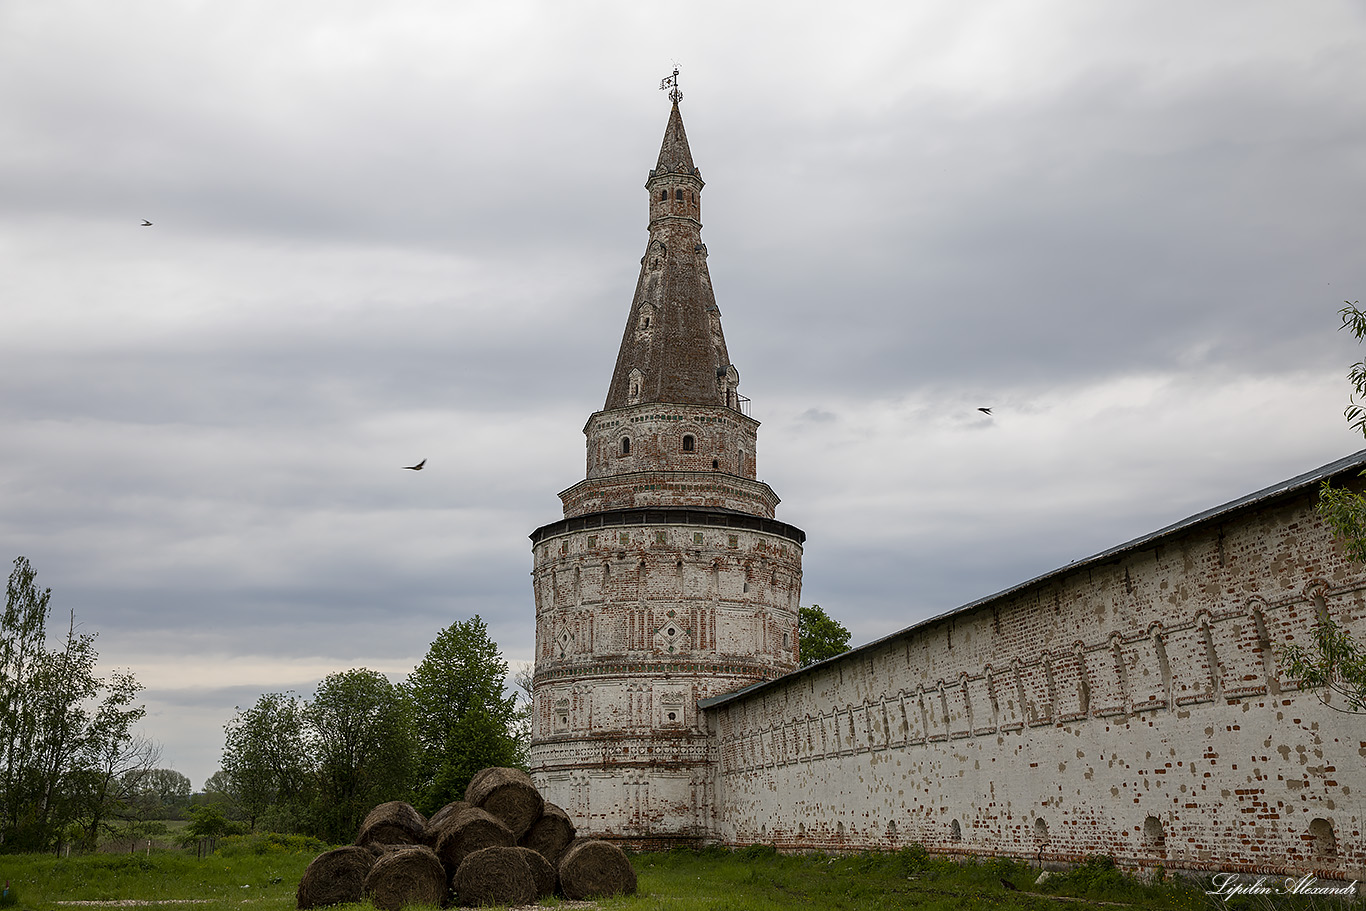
673,349
674,155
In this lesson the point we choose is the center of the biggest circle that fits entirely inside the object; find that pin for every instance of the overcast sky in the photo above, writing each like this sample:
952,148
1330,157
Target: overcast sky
388,232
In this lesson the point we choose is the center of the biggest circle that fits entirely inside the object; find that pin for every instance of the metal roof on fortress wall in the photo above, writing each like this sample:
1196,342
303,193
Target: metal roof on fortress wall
1352,464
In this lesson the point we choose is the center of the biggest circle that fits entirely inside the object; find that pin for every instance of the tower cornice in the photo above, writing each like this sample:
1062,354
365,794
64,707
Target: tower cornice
688,220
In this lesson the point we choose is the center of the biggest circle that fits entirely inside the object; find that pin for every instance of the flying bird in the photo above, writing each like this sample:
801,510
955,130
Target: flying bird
417,467
146,223
984,410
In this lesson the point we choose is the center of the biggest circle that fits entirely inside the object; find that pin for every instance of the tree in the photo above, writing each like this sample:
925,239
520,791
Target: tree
57,737
362,734
1336,664
23,648
168,789
208,822
266,760
462,718
522,718
112,760
818,636
217,790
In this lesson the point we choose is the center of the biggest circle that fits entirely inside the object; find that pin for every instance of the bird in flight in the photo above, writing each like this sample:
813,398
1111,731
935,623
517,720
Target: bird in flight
146,223
984,410
417,467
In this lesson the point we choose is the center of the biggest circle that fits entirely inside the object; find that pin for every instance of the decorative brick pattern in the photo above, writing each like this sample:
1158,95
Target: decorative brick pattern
1133,708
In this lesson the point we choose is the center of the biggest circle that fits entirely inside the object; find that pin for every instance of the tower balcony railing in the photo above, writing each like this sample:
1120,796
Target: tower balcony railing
741,404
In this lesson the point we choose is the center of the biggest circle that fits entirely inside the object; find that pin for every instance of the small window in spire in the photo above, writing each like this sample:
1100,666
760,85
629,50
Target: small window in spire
678,195
663,195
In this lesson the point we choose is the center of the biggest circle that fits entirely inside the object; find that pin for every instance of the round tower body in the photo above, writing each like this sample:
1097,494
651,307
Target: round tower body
669,579
640,613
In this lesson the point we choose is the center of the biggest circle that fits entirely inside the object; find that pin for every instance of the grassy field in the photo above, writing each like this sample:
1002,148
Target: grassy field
261,874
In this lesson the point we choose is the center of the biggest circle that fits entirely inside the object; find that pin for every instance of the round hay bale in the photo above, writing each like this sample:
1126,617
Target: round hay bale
407,875
541,871
392,823
469,831
335,878
494,876
478,778
596,869
435,821
550,835
507,794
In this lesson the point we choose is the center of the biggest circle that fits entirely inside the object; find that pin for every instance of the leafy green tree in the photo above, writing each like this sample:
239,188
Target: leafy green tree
57,735
207,821
521,720
362,736
266,760
64,684
167,789
1336,663
23,649
818,636
107,788
462,718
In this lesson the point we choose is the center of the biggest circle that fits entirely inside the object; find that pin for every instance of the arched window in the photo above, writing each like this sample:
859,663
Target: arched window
663,195
1321,836
689,442
678,195
625,445
1154,835
715,464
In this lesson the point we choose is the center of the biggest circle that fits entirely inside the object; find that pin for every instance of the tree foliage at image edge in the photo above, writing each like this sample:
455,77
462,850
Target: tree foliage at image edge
1335,663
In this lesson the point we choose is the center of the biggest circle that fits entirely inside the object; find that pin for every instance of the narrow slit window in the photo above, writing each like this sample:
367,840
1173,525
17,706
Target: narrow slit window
625,445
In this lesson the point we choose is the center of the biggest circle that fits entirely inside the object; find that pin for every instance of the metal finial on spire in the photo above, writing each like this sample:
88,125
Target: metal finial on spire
671,83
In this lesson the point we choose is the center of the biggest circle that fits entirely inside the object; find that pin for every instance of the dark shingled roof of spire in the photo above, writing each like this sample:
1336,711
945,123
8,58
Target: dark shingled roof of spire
674,154
678,357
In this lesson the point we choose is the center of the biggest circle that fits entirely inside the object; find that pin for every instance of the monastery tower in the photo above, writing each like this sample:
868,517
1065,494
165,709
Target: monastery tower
668,580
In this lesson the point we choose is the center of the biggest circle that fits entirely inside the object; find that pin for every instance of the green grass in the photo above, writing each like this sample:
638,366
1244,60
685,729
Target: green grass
261,873
759,879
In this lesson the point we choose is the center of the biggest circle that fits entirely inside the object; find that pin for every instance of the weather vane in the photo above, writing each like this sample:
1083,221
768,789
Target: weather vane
671,83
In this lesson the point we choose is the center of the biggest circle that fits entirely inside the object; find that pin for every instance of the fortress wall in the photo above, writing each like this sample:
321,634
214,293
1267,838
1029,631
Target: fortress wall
1134,705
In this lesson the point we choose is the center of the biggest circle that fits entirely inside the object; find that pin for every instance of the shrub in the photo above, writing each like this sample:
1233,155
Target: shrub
269,843
1095,877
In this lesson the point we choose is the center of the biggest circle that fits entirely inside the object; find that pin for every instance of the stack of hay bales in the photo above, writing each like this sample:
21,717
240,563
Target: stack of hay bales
502,845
